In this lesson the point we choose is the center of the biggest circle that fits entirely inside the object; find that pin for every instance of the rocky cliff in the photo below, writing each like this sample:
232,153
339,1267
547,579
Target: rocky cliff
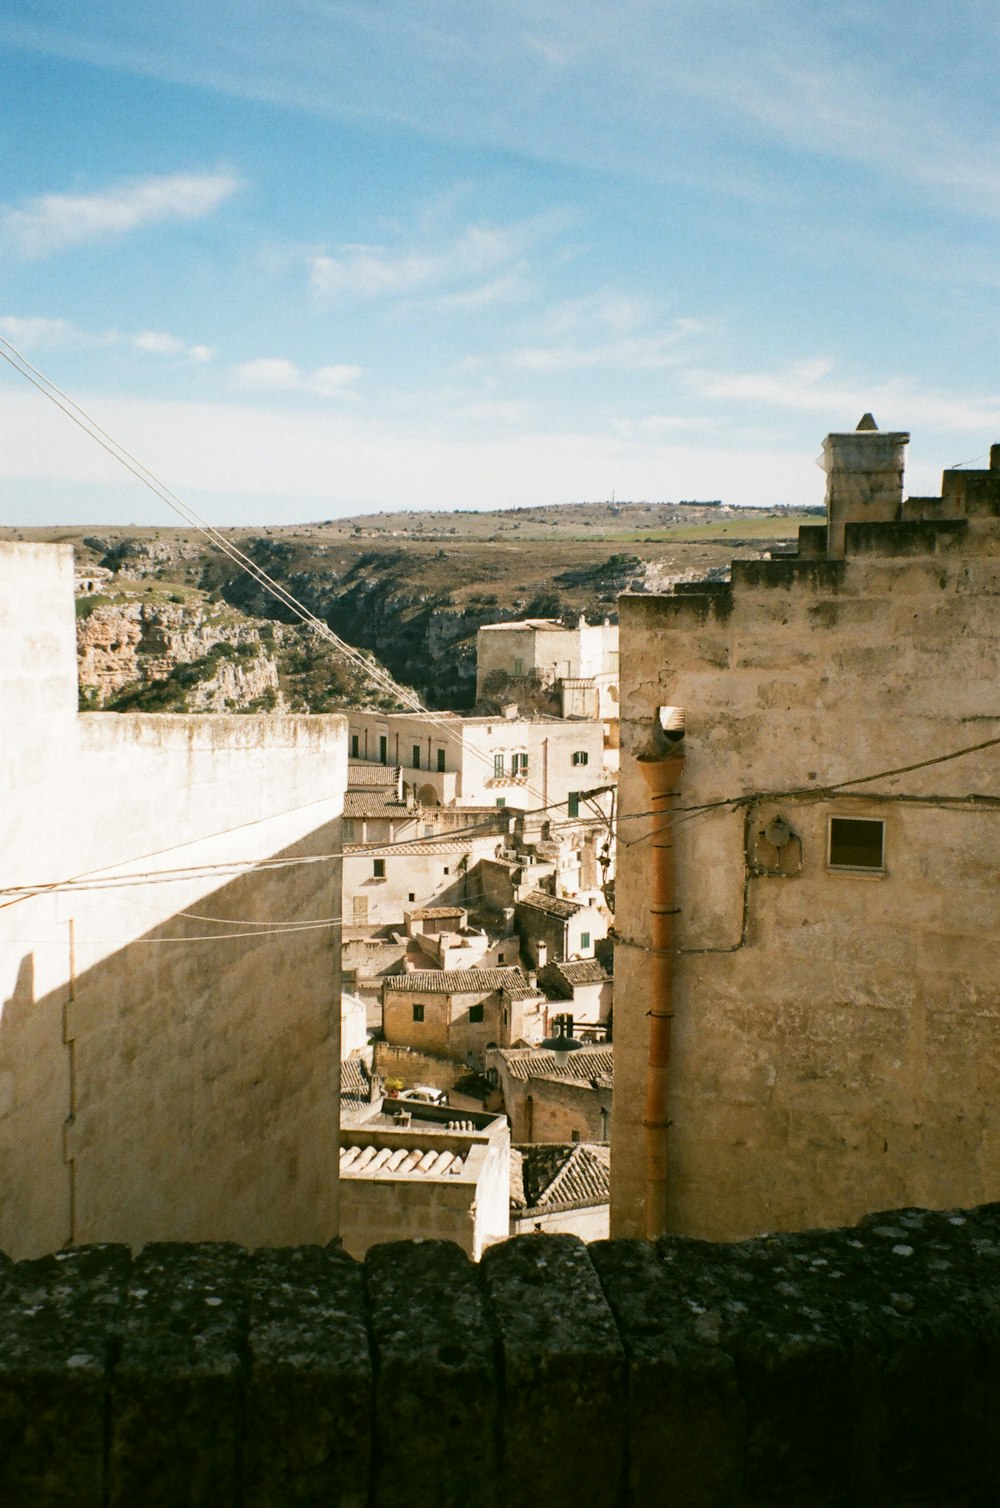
142,649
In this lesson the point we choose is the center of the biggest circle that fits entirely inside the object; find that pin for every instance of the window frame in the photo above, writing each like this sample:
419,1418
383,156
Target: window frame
498,767
862,869
581,756
378,869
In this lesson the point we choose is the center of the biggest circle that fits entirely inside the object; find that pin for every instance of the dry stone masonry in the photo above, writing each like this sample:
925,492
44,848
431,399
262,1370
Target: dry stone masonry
858,1367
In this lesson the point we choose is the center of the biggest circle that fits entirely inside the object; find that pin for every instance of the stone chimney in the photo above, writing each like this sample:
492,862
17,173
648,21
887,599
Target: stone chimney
542,953
510,711
864,479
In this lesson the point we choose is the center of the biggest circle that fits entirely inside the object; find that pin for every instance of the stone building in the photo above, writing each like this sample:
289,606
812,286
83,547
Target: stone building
505,761
553,928
584,985
552,1101
562,1187
410,1171
581,662
458,1013
834,911
168,1051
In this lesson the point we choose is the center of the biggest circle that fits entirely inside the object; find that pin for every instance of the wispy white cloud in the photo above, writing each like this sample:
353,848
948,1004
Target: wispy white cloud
810,387
37,332
487,257
639,352
275,374
160,343
56,222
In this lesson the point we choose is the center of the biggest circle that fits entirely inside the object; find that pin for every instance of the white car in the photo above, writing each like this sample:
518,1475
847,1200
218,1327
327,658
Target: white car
425,1093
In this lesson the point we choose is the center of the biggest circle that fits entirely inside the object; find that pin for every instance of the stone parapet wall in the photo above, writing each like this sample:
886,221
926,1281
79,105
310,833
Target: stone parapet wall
858,1367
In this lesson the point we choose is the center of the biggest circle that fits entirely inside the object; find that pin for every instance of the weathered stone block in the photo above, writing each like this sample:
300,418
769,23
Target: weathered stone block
686,1419
563,1374
59,1319
309,1388
436,1391
177,1399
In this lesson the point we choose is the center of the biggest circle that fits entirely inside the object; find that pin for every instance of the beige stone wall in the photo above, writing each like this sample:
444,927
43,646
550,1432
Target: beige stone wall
590,1224
153,1085
554,1110
836,1043
446,1029
471,1207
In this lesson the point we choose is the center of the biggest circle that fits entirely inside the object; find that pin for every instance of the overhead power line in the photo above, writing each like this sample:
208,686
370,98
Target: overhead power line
373,672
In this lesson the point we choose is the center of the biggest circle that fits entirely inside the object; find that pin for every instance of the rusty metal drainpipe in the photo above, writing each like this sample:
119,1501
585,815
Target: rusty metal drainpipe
661,763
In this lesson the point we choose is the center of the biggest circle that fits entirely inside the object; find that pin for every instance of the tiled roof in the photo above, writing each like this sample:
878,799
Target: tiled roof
553,904
593,1065
376,803
565,1176
354,1078
428,846
436,913
570,974
398,1162
365,773
464,982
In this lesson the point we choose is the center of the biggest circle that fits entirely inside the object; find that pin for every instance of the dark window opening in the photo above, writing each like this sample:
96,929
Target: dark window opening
383,749
857,843
573,804
416,756
581,757
475,1013
418,1013
440,760
355,746
378,869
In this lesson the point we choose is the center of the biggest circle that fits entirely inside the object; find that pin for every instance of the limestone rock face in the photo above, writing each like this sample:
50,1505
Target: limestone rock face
215,666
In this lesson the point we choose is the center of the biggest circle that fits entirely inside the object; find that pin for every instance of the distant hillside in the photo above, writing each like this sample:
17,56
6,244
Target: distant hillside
413,588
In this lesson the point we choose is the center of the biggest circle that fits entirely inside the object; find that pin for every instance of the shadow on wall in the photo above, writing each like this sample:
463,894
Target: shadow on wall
189,1090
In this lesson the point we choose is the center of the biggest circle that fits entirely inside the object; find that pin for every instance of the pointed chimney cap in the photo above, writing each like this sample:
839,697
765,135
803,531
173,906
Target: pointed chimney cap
866,422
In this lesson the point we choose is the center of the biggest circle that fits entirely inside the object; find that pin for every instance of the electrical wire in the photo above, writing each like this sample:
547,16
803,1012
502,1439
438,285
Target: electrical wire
79,416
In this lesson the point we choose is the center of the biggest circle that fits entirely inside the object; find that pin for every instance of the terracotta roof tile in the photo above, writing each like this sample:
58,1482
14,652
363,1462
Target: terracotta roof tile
366,773
464,982
539,900
563,1176
587,1064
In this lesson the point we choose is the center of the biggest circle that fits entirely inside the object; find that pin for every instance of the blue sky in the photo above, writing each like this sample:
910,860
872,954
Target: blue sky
313,257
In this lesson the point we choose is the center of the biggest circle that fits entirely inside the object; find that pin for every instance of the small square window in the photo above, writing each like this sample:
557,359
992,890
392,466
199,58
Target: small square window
581,757
857,843
447,869
475,1013
412,895
501,801
378,869
418,1013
